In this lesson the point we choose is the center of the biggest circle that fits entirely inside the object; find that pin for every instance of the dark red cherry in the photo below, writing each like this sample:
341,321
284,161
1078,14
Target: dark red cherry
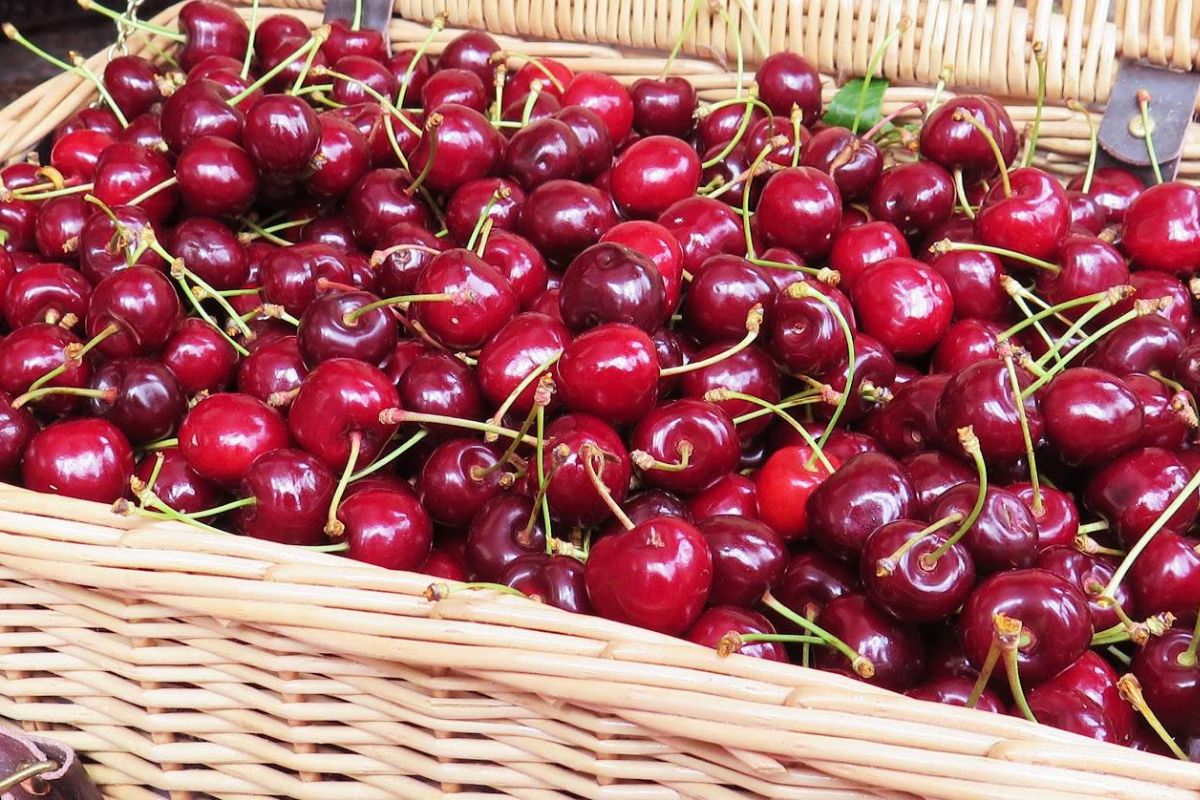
346,40
1161,229
88,458
1163,424
518,260
868,491
749,371
656,243
965,342
1093,678
212,251
1144,344
905,585
211,28
144,398
748,559
439,383
292,491
57,227
339,400
733,494
914,197
386,528
1056,625
106,246
603,95
379,201
811,581
75,155
721,296
904,304
572,496
1004,535
331,327
562,218
556,580
458,478
216,177
656,576
543,151
652,174
200,356
467,148
786,80
1135,488
466,205
1086,213
1166,577
663,106
459,86
1113,189
704,227
1072,711
800,208
1091,417
894,648
470,50
595,143
500,533
141,308
274,369
1170,680
608,282
341,158
482,300
1086,265
932,473
696,428
948,138
717,127
17,427
198,108
974,280
409,248
981,396
45,293
711,627
178,485
854,163
526,342
132,82
1057,519
1090,574
955,690
291,275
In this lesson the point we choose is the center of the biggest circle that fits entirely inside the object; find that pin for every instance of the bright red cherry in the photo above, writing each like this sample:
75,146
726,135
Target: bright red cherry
904,304
653,173
85,458
387,528
800,208
785,485
1033,219
611,372
341,400
1162,228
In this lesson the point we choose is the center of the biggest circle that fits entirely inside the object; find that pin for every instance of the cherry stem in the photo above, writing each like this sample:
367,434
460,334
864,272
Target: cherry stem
751,101
356,20
153,190
1053,311
541,470
435,27
33,193
807,290
182,275
861,664
878,126
536,374
1106,300
230,506
396,416
558,458
483,236
249,55
824,274
740,69
717,395
352,317
1086,544
334,528
546,387
1188,657
747,185
1094,527
733,641
939,88
501,193
961,191
440,591
431,126
257,231
645,461
116,16
1143,101
108,395
1122,570
1093,138
1012,669
535,91
73,354
139,487
161,444
124,508
887,566
1039,57
719,186
537,64
82,68
807,397
380,463
1137,632
873,67
499,79
968,117
947,246
314,41
797,119
689,20
588,454
754,321
1038,507
1131,691
970,443
985,673
1140,308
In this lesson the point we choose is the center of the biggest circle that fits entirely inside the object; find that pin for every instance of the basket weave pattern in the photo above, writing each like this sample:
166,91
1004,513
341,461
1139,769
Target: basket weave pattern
226,667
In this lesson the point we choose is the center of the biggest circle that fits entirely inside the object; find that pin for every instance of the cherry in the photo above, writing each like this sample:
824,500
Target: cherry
981,396
458,478
1164,577
1031,219
291,492
212,252
200,356
1093,677
198,108
35,350
955,690
905,304
107,244
748,371
554,76
346,40
717,127
562,218
800,208
387,528
1134,489
341,158
177,485
526,342
467,148
439,383
902,574
340,402
895,649
714,624
1086,214
223,434
501,533
974,280
703,227
557,580
140,307
132,82
211,28
595,143
1164,422
748,557
482,300
956,144
686,445
786,80
75,155
855,249
470,50
1057,519
1090,574
608,282
810,582
1002,536
291,275
17,427
1113,189
141,397
216,177
1146,344
656,243
331,327
1072,711
1091,417
611,372
1055,621
647,504
1087,265
1161,231
1170,680
868,491
653,173
656,575
591,445
459,86
914,197
409,248
543,151
380,200
58,226
90,118
785,485
663,106
89,459
45,292
964,343
502,198
721,296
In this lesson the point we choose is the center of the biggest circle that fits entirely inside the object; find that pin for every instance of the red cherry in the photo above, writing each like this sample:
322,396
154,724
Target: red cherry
692,434
202,359
1162,230
785,485
340,399
653,173
178,486
611,372
748,557
606,97
1134,489
800,208
291,491
656,243
1032,220
85,458
906,586
786,80
387,528
224,433
895,649
714,623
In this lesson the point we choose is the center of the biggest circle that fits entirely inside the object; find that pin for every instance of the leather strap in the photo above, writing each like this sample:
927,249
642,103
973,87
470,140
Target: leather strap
34,768
1173,98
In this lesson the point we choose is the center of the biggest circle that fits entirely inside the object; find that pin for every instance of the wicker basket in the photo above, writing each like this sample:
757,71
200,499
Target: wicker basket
200,665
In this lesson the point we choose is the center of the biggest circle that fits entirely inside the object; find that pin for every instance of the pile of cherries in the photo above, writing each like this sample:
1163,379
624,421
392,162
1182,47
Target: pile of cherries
888,402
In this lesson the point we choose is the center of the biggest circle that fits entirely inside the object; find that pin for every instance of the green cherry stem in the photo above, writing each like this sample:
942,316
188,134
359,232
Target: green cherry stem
947,246
1039,58
334,528
873,67
751,101
435,27
717,395
689,20
1188,657
398,416
1008,281
1131,692
314,41
1009,630
1106,300
501,193
861,664
1127,563
116,16
1143,101
1037,506
985,672
754,320
249,55
961,115
1093,138
352,317
887,566
380,463
539,443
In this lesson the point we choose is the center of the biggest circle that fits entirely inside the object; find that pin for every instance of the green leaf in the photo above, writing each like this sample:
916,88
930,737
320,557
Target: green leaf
850,98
